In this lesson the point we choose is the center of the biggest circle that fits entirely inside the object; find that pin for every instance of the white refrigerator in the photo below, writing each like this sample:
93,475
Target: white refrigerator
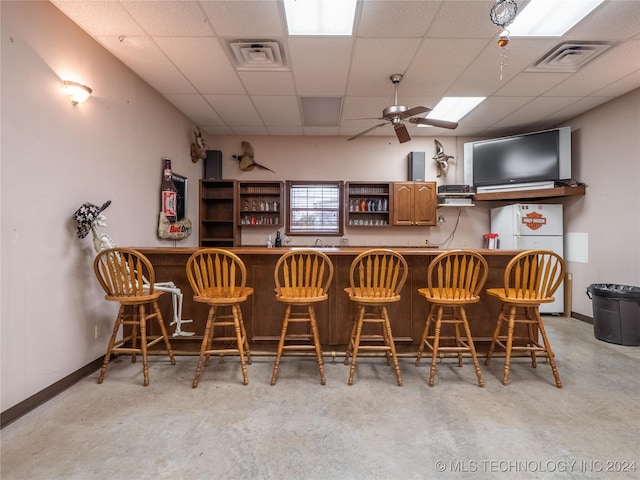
528,226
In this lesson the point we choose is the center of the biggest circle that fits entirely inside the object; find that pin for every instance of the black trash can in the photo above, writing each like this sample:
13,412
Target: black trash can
616,313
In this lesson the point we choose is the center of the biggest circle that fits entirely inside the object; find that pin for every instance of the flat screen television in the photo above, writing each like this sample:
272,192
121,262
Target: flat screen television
519,162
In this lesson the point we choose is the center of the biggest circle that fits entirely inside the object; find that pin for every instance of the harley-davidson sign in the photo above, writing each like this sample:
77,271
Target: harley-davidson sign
534,220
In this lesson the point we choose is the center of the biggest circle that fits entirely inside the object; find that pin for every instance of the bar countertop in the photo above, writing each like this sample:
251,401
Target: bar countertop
260,250
263,315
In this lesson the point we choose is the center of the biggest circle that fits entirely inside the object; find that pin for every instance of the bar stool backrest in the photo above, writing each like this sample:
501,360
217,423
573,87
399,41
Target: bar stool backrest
216,273
303,274
378,273
534,275
457,275
124,272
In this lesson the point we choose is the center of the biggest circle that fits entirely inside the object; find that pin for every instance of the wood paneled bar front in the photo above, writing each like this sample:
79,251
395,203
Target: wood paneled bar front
263,314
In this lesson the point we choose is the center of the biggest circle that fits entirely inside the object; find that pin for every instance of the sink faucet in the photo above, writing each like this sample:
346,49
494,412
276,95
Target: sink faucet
318,242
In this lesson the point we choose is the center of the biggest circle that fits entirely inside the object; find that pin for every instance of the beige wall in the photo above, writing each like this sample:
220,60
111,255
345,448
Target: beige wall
55,156
366,159
606,155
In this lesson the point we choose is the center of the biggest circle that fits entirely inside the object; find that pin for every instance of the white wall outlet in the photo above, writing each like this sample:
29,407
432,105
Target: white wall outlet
97,330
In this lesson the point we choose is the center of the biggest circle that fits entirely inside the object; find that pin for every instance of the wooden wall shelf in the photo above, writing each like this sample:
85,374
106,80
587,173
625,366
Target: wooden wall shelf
531,194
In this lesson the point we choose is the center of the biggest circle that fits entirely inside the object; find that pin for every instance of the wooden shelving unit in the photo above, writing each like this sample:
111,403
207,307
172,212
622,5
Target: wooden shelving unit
217,215
368,204
531,194
260,204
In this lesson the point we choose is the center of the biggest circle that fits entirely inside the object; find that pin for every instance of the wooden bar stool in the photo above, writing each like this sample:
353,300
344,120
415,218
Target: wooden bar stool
218,278
376,278
302,279
127,276
454,279
530,279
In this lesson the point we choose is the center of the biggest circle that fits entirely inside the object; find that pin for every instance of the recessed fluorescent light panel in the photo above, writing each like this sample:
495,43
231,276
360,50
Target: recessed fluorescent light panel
550,18
320,17
454,108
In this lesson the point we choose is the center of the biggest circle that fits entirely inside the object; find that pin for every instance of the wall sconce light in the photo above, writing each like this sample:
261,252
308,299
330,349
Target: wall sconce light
77,92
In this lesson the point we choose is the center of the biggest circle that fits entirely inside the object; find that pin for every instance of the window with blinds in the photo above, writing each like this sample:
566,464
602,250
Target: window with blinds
315,208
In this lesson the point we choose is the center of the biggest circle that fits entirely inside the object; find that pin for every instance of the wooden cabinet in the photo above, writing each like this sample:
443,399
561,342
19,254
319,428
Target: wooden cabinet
368,204
260,203
414,203
217,214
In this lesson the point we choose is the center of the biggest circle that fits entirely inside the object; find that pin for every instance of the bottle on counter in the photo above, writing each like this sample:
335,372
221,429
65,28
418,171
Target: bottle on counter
278,239
269,242
169,193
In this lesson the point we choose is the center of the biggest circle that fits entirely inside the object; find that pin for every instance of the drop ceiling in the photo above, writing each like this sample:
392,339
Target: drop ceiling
188,52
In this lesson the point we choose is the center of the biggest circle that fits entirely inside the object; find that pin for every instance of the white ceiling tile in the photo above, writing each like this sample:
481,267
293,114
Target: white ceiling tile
396,19
204,62
169,18
278,111
617,20
532,83
235,110
463,19
493,109
268,83
538,108
100,17
320,65
197,109
437,65
621,86
245,19
375,60
144,57
181,48
577,108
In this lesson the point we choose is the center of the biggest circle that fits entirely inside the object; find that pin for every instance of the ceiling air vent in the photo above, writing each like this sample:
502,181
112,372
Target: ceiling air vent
257,55
569,57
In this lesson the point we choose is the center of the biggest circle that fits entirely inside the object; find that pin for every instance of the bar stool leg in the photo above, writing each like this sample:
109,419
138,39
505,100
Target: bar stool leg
392,346
436,345
283,334
472,348
356,343
235,309
316,343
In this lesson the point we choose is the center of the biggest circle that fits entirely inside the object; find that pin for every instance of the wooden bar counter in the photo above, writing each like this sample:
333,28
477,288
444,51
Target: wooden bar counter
263,314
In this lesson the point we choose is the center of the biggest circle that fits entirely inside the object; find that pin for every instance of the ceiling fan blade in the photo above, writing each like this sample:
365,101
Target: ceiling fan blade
367,131
365,118
434,122
402,133
415,111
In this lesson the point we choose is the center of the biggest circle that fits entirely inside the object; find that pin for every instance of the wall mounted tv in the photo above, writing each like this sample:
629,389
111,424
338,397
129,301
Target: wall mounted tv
520,162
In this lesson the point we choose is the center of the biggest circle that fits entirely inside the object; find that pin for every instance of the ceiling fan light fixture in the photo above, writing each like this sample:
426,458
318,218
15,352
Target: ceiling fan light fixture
453,109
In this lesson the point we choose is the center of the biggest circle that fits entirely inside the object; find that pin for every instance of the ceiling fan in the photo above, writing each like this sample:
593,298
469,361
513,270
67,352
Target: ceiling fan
396,115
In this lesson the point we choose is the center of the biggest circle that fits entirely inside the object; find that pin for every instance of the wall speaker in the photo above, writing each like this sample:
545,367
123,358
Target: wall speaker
416,166
213,164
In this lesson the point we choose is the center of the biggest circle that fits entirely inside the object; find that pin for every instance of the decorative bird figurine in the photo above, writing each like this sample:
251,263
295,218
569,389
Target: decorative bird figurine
442,160
199,147
247,163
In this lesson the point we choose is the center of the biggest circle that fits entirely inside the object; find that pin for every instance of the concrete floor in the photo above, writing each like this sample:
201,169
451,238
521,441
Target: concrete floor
373,430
